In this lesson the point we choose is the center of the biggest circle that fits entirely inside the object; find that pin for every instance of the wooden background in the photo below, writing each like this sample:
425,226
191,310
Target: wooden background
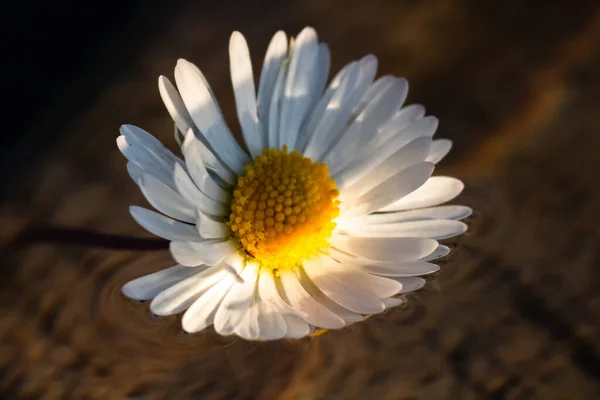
515,311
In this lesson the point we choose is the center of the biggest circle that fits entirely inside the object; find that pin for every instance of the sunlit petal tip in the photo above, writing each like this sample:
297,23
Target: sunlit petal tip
149,286
467,212
163,226
411,284
392,302
308,31
439,252
370,59
404,83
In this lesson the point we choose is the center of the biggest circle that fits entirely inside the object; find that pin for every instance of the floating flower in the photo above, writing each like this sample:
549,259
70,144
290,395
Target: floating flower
328,213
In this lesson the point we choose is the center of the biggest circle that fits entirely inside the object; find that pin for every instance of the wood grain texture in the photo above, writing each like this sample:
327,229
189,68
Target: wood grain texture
514,312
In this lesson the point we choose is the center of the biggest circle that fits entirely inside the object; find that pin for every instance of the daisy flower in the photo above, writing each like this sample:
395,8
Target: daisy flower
326,214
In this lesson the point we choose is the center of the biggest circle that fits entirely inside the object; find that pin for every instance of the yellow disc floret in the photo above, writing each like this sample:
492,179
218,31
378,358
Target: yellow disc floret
283,208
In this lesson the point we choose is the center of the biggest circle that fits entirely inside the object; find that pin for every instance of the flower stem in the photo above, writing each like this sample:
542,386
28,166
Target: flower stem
87,238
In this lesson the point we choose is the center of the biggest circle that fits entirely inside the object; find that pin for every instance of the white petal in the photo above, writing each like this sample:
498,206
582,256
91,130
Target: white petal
347,258
165,199
233,264
395,139
181,295
273,137
384,249
299,298
439,149
199,73
375,114
298,86
207,116
374,89
162,226
320,108
439,252
367,68
384,102
209,252
135,172
296,327
192,195
248,328
148,286
209,228
437,190
146,159
143,140
403,118
335,115
437,229
276,54
410,284
322,73
271,323
387,192
202,312
345,314
407,114
426,126
413,268
361,262
333,285
434,229
440,212
392,302
398,137
242,79
237,302
267,288
174,104
193,149
353,275
358,179
338,112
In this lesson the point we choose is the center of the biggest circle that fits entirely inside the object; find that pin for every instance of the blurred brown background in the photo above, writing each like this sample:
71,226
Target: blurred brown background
515,311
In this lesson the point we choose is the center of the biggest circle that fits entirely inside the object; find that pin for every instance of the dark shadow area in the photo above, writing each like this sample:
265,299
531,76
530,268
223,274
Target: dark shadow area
514,312
56,57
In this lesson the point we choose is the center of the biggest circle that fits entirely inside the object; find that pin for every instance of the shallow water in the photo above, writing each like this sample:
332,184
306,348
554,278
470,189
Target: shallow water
514,312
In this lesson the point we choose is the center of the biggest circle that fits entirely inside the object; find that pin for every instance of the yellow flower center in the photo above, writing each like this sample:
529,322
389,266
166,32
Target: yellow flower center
283,208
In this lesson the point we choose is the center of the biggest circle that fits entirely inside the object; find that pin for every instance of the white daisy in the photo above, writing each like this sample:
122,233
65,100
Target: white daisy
329,213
